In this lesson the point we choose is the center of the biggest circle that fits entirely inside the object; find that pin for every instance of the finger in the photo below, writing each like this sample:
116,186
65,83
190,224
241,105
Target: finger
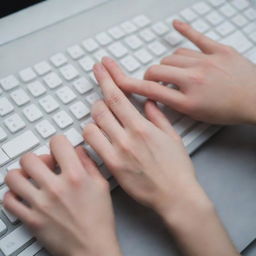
65,155
49,161
114,97
35,168
16,207
97,140
88,163
157,117
21,186
107,122
189,53
179,61
149,89
203,42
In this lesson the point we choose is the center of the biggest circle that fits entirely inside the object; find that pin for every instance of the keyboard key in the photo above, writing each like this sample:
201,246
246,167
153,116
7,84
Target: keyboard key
43,150
94,155
130,63
20,144
157,48
240,20
13,219
147,35
3,134
184,125
240,4
90,45
52,80
250,14
93,78
214,18
45,129
31,250
92,98
141,21
42,68
59,59
27,75
36,89
15,165
79,110
174,38
9,82
227,10
250,28
83,124
3,158
32,113
2,176
253,36
160,28
213,35
117,49
103,38
217,3
65,94
82,85
75,52
200,26
188,15
87,63
128,27
49,104
170,20
15,240
69,72
100,54
74,137
116,32
225,28
5,106
3,227
3,190
133,42
62,119
14,123
20,97
201,8
143,56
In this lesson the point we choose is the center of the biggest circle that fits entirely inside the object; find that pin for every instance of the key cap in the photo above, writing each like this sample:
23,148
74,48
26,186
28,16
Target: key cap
184,125
32,113
42,68
251,55
44,150
27,75
116,32
52,80
94,155
174,38
133,42
118,50
188,15
240,4
128,27
227,10
103,38
32,250
170,19
83,124
141,21
250,14
157,48
130,63
217,3
74,137
160,28
9,82
213,35
5,106
200,26
87,63
36,88
3,134
201,8
240,20
62,119
20,97
92,98
3,227
93,78
194,134
45,129
82,85
3,158
147,35
14,123
75,52
13,219
15,165
79,110
20,144
3,190
253,36
143,56
59,59
2,176
69,72
100,54
225,28
65,94
250,28
15,240
90,45
214,18
49,104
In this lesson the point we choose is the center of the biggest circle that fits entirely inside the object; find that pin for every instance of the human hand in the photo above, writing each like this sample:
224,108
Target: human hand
216,85
70,213
146,157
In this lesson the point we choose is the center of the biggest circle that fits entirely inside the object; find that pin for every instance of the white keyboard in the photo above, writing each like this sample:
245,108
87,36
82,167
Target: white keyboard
55,95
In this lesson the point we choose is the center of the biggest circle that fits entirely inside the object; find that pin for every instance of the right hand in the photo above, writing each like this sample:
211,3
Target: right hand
216,85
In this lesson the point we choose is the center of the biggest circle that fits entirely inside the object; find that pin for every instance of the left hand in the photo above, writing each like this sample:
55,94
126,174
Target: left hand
70,213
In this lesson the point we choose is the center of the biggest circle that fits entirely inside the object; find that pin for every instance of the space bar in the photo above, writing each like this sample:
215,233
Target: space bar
20,144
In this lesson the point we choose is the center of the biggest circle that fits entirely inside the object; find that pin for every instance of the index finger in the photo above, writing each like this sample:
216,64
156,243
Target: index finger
115,98
204,43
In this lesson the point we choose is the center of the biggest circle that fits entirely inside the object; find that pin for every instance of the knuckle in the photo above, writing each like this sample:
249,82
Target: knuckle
227,50
75,179
55,191
197,78
26,157
179,51
140,130
10,176
103,184
35,223
151,71
89,130
98,111
113,99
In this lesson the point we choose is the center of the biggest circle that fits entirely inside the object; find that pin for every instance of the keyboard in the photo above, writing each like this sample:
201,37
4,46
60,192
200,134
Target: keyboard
54,95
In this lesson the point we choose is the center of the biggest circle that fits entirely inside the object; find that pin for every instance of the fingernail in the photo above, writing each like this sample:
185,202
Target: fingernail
178,23
107,59
98,67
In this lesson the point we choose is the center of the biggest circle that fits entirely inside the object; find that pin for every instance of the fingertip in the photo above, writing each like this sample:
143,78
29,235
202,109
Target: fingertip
178,24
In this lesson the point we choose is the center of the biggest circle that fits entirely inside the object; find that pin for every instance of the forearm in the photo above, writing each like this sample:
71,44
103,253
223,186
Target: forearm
197,229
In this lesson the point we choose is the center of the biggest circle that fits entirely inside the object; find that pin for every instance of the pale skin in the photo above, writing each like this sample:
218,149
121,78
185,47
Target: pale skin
145,155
